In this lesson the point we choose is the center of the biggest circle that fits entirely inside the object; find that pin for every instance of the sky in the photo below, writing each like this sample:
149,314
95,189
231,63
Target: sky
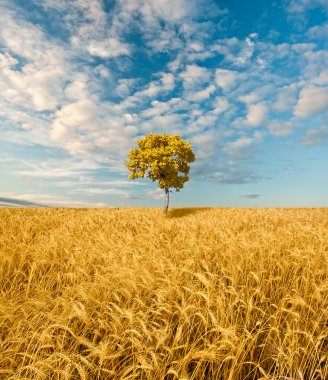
245,82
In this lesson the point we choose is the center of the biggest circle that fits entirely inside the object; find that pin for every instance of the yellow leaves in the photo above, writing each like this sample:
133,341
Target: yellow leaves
164,158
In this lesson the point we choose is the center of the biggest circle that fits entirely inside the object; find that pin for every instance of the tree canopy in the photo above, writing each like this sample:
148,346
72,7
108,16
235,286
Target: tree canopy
163,158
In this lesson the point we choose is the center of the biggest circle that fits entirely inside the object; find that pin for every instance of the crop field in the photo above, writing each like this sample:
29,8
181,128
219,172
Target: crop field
198,293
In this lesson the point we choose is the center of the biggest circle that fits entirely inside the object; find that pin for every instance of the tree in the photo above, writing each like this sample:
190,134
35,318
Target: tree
163,158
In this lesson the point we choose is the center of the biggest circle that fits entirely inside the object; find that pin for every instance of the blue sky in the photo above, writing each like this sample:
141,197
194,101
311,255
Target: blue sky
246,82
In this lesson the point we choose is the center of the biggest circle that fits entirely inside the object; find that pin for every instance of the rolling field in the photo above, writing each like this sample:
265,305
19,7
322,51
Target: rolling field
199,293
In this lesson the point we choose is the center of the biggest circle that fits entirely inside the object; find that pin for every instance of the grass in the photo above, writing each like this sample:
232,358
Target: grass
199,293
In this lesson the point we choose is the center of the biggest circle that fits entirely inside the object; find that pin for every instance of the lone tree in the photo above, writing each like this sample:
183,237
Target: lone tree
163,158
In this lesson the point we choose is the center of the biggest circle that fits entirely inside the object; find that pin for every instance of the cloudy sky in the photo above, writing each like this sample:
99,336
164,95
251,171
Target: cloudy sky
246,82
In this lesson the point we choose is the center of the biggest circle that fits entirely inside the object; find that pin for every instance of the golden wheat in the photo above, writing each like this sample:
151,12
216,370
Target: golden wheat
206,293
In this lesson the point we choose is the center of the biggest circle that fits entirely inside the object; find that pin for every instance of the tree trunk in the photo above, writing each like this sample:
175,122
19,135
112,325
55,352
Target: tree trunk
166,204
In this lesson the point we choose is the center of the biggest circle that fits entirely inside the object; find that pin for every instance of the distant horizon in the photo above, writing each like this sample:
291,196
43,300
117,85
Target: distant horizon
24,204
246,83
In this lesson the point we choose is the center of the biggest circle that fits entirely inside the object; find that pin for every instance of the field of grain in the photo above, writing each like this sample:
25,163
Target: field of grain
199,293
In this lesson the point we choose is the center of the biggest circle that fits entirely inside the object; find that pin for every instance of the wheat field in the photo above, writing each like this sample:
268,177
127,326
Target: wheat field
198,293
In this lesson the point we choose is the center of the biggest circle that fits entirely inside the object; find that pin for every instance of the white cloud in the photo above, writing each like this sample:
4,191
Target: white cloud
235,51
220,105
201,95
73,117
166,83
48,200
302,48
26,40
98,191
226,79
39,89
156,194
281,127
93,10
315,62
206,144
82,181
170,107
101,45
109,47
125,87
90,10
249,98
316,136
286,98
77,88
55,169
7,61
151,11
201,121
194,76
171,123
170,11
87,23
247,50
241,142
165,25
322,78
312,100
38,84
257,114
301,6
196,46
79,16
318,31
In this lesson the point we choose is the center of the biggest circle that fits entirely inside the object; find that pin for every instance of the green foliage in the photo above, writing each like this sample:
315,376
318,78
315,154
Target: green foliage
162,158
